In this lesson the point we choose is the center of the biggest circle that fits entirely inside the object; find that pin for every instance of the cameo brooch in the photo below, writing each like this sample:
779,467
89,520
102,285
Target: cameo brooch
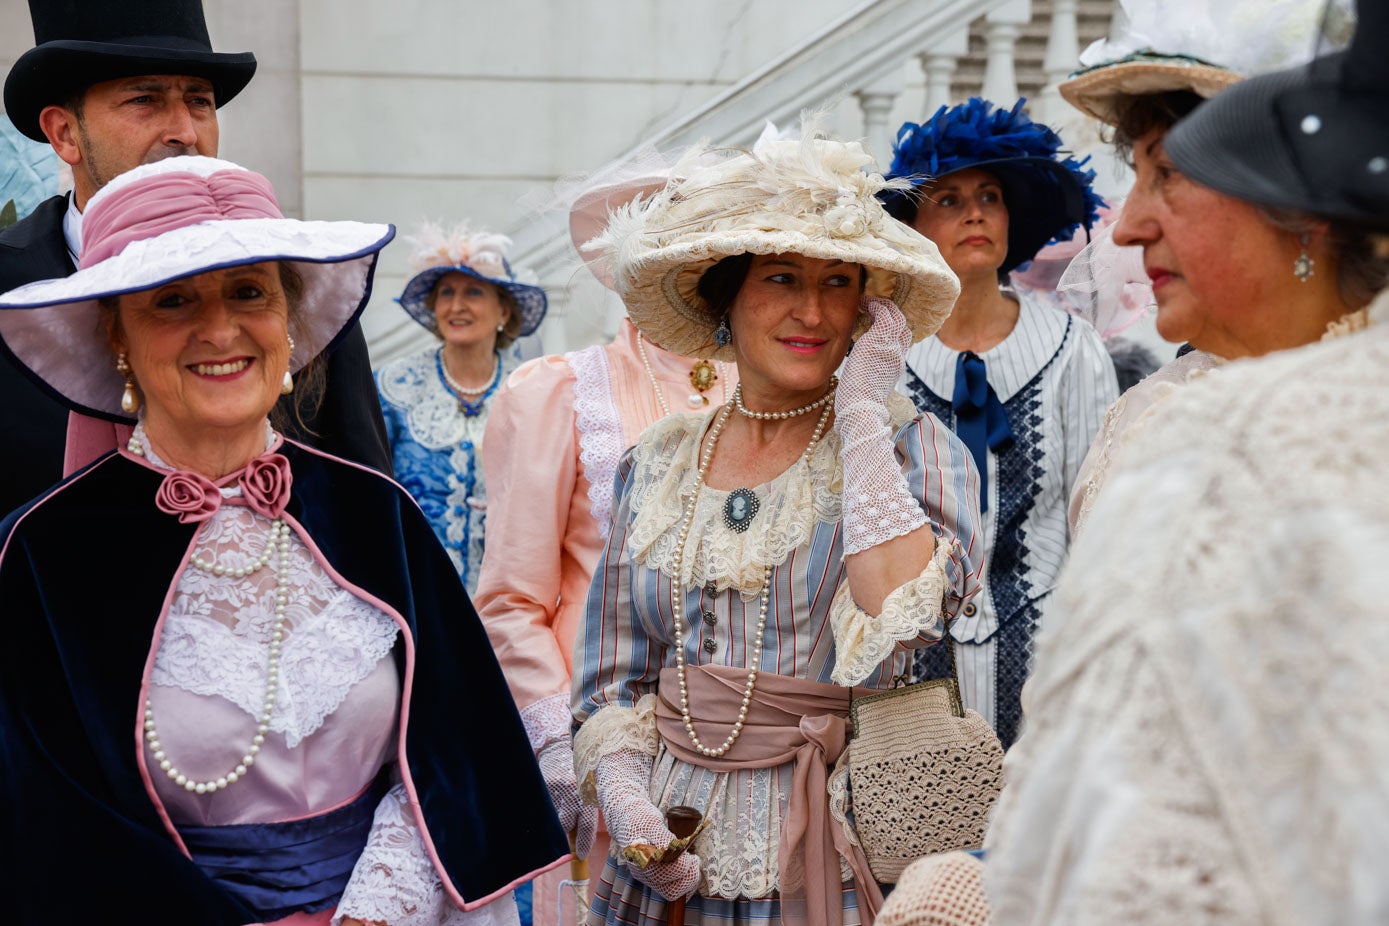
738,511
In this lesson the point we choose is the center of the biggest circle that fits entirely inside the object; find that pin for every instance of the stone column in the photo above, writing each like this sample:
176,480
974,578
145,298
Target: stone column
1003,25
938,64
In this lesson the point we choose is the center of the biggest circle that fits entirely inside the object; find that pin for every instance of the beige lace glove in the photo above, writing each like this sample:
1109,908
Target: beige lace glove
621,780
878,506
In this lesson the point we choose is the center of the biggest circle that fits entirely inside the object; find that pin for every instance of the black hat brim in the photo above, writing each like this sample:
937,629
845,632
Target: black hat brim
1293,139
54,71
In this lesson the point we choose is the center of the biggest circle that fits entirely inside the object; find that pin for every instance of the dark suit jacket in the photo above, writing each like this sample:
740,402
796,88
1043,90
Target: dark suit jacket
33,424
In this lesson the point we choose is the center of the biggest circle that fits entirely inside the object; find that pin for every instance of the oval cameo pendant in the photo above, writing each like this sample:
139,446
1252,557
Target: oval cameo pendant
702,377
738,511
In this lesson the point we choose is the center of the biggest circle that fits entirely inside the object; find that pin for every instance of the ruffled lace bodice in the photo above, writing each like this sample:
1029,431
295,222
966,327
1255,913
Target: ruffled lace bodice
666,469
814,629
436,450
216,636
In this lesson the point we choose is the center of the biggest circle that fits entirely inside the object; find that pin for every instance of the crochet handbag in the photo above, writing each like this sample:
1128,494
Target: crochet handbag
923,772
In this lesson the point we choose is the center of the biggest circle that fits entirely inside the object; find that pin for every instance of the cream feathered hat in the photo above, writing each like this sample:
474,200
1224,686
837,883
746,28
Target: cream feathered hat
814,196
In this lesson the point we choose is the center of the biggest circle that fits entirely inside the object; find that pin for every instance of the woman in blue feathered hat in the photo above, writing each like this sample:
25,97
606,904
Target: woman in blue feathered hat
1024,385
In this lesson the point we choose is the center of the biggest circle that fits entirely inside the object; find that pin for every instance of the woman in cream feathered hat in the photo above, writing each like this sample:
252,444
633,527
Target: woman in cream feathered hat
805,536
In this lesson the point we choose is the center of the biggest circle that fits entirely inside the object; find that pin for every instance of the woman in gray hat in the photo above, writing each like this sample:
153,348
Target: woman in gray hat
1208,729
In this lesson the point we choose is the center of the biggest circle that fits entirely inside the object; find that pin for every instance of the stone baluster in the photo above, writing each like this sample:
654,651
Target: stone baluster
1063,52
876,100
938,64
1003,24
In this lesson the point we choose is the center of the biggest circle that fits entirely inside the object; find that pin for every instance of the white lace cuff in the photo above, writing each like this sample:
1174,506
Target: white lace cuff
608,730
862,641
395,882
547,721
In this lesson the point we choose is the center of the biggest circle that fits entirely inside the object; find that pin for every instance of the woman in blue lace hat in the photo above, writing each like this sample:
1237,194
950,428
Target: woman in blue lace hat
436,401
1023,384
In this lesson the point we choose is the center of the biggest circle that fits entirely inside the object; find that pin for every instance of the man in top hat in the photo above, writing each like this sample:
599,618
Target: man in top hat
112,84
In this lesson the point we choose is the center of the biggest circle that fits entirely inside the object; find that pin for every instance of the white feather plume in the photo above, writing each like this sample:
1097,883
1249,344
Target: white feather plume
1246,36
462,244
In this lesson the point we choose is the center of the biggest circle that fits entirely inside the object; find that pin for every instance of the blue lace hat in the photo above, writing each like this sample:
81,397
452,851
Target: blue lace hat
1048,196
479,254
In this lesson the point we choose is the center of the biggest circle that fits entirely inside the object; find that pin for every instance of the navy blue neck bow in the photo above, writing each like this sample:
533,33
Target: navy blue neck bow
980,419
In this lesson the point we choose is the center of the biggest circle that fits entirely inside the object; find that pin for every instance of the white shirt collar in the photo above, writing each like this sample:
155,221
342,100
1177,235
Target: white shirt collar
72,229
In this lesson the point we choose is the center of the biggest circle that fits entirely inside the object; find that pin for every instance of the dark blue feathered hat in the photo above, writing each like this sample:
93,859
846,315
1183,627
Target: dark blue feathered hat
1047,196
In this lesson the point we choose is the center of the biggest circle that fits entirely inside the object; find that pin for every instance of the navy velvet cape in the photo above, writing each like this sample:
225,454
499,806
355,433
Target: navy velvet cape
83,580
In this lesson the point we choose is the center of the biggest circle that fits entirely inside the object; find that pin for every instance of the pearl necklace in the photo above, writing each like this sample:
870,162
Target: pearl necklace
677,604
457,387
278,542
777,416
696,400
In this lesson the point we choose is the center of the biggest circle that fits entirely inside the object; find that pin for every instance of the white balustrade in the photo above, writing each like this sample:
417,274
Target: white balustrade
876,100
1003,24
1063,51
938,64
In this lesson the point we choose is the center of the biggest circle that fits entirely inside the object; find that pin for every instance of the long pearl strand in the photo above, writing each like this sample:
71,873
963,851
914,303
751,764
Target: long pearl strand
278,542
676,595
779,416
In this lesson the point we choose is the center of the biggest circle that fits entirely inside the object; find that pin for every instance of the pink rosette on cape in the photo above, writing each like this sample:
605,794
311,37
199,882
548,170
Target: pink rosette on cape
190,496
265,484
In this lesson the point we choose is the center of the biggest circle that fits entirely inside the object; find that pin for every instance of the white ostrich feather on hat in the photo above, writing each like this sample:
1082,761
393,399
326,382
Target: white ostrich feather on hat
461,245
812,195
1246,36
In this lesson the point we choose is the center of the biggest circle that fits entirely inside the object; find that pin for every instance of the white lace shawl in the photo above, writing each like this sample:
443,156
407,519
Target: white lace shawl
1208,725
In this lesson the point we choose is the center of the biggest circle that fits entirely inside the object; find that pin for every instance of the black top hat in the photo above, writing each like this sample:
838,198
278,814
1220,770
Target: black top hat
84,42
1313,138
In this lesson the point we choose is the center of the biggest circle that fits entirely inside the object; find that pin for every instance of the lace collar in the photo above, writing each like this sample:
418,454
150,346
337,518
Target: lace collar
666,461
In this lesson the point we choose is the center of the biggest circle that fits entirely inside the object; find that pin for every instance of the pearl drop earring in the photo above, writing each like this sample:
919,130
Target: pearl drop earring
287,385
130,402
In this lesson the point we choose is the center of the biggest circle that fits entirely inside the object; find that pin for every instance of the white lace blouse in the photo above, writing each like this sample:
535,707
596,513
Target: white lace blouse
334,723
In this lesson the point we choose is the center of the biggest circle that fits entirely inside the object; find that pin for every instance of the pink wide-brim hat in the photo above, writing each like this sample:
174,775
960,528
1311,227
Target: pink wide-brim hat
167,221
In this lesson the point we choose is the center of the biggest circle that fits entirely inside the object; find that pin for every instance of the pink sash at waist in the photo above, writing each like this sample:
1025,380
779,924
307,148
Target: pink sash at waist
789,720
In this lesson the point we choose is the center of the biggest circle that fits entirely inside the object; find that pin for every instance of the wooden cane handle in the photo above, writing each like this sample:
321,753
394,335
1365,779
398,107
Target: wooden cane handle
682,822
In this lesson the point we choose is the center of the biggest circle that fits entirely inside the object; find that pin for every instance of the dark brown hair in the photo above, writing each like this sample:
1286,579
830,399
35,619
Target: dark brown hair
1136,116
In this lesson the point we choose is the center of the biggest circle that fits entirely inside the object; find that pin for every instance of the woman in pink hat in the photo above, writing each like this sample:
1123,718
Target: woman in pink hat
242,682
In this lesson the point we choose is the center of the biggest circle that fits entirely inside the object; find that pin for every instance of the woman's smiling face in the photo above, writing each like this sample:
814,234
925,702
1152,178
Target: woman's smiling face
793,321
468,310
208,352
